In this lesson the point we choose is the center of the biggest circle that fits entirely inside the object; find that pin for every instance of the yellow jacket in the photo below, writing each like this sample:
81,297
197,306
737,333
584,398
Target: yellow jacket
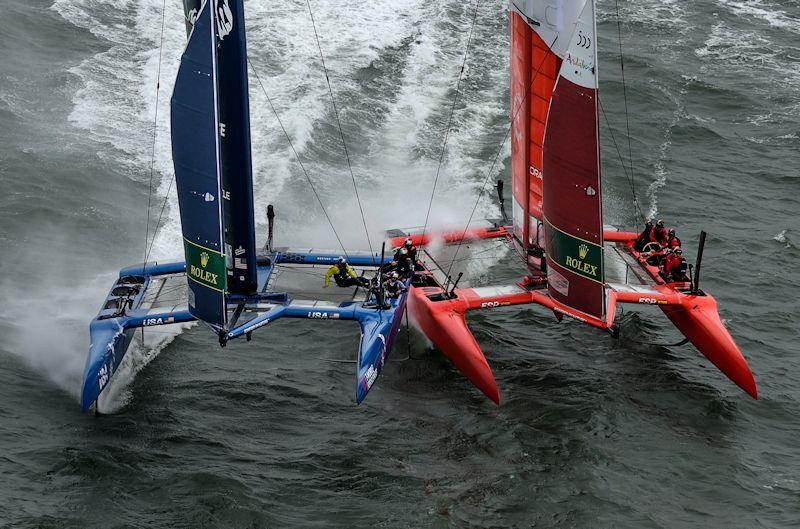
334,270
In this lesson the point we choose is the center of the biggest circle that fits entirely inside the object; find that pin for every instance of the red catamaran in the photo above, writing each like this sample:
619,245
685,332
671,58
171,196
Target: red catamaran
558,227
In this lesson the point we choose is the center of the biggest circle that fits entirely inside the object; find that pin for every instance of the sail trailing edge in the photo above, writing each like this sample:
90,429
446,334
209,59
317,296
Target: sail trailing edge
235,153
195,154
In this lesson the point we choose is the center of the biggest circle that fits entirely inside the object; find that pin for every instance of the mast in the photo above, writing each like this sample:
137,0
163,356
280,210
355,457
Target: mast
235,154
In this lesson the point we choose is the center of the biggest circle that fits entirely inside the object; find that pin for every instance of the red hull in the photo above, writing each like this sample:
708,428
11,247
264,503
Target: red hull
444,324
699,321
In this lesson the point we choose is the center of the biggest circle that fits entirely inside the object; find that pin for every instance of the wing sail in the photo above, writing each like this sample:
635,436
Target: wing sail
195,155
555,148
572,201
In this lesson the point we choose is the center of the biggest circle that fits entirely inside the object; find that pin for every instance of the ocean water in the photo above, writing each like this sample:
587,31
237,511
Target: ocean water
592,432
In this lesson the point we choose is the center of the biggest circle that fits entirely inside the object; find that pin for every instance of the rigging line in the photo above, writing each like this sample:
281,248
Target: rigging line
450,117
625,99
628,176
497,155
160,215
297,156
339,124
155,134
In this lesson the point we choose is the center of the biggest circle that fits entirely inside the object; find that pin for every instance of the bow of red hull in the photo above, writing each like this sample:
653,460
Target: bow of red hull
443,323
698,320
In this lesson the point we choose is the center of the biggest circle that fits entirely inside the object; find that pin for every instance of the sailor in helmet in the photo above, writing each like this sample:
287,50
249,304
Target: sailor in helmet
672,240
408,244
344,275
402,263
393,286
659,233
643,237
675,266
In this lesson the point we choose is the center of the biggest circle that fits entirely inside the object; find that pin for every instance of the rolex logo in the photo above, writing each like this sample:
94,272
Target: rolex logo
583,250
204,259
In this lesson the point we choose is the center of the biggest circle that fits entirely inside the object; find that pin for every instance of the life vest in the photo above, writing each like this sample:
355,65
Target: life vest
659,235
673,242
342,273
393,287
675,267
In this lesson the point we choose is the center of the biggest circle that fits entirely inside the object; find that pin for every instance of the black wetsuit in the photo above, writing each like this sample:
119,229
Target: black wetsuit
405,267
643,238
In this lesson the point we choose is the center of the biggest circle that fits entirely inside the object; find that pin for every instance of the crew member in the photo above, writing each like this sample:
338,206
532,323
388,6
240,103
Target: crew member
402,264
344,275
412,252
659,233
643,237
675,266
672,240
393,286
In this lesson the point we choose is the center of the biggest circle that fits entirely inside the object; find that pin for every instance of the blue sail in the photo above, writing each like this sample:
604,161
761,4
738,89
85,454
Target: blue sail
235,157
195,155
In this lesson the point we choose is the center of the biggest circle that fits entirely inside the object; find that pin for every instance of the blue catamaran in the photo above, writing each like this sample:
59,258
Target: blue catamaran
223,282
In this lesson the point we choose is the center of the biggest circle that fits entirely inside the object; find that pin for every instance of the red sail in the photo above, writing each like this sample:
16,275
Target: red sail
555,148
534,69
573,206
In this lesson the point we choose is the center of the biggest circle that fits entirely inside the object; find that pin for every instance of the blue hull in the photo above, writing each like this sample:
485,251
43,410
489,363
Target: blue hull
378,333
130,305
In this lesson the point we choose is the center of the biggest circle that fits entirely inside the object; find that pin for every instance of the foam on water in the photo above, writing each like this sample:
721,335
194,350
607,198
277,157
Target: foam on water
765,11
116,104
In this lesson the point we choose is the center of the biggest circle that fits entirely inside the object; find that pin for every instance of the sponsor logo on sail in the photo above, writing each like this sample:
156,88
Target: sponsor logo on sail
584,41
574,254
205,266
224,19
204,276
578,263
580,63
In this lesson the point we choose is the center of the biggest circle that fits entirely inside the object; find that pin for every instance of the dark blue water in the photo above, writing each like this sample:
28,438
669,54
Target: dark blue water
592,432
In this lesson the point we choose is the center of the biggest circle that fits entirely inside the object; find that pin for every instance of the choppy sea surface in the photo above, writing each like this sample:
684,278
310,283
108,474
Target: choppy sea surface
592,432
